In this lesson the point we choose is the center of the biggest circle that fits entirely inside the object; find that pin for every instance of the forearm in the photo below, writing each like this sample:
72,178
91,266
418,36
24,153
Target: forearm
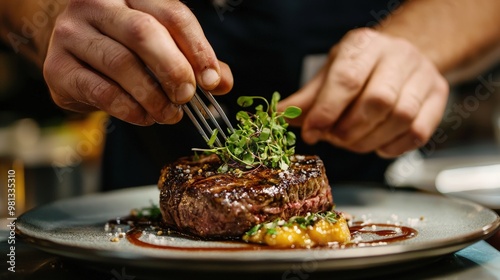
451,33
27,25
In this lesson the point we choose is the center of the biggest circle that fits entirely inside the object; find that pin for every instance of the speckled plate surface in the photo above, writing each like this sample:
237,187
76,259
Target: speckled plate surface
75,228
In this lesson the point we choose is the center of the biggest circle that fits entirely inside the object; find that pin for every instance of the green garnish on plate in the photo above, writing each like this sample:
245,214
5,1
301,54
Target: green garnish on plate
152,213
301,221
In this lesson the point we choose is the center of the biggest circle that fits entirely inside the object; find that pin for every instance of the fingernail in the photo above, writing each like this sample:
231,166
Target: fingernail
209,77
312,136
184,93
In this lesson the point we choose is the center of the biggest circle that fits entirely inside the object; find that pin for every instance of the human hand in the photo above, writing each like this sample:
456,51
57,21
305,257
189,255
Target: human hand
376,93
101,54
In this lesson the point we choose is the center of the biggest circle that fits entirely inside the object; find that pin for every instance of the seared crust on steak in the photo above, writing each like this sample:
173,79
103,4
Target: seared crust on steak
196,200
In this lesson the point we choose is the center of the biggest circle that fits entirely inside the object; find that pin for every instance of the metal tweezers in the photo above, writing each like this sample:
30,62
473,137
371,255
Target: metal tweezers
202,112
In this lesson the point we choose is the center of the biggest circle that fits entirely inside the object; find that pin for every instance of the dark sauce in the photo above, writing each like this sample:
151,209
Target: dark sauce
388,233
362,235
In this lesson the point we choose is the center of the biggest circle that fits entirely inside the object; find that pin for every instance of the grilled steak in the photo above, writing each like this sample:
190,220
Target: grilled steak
196,200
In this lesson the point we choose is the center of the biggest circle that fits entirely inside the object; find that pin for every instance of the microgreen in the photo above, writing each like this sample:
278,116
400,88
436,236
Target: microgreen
152,212
260,139
302,221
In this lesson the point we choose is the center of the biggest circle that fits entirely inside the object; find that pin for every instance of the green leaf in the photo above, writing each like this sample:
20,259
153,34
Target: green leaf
245,101
292,112
238,151
235,137
248,158
263,118
242,142
285,140
264,134
242,115
263,156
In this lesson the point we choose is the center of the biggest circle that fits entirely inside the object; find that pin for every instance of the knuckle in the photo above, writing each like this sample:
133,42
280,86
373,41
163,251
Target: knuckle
322,113
403,115
349,78
179,16
406,111
64,29
101,93
139,26
361,34
118,59
381,99
51,69
320,117
359,40
175,74
179,71
411,54
404,45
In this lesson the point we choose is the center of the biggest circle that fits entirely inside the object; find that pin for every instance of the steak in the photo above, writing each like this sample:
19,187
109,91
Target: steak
196,200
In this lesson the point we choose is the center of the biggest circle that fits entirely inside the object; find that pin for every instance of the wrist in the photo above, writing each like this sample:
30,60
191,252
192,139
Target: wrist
450,33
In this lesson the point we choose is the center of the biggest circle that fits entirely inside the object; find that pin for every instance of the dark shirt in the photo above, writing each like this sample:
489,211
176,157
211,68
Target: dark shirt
264,42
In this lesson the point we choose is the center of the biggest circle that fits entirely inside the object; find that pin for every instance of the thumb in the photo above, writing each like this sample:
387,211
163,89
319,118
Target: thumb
304,98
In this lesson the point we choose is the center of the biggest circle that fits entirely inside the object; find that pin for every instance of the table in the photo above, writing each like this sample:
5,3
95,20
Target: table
478,261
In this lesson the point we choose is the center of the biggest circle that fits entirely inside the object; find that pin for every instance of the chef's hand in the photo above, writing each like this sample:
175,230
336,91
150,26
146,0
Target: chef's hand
376,93
100,53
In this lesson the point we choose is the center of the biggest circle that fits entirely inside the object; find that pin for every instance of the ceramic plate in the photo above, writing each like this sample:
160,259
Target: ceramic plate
75,228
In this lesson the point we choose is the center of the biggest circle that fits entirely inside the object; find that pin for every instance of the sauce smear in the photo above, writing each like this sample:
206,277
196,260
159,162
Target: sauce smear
363,235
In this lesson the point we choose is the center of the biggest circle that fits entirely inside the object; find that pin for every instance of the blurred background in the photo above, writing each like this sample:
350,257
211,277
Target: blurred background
56,154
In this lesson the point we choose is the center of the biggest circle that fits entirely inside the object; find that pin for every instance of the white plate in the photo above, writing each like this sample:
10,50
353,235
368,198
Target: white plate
75,228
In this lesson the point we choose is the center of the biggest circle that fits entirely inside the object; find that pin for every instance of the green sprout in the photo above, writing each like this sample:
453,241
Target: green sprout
260,139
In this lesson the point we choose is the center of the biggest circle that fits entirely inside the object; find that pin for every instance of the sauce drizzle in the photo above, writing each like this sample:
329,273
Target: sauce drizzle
363,235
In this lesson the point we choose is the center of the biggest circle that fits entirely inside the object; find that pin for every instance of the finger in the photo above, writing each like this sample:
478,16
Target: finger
226,82
116,62
409,104
150,41
381,93
188,35
345,80
424,125
83,89
304,98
